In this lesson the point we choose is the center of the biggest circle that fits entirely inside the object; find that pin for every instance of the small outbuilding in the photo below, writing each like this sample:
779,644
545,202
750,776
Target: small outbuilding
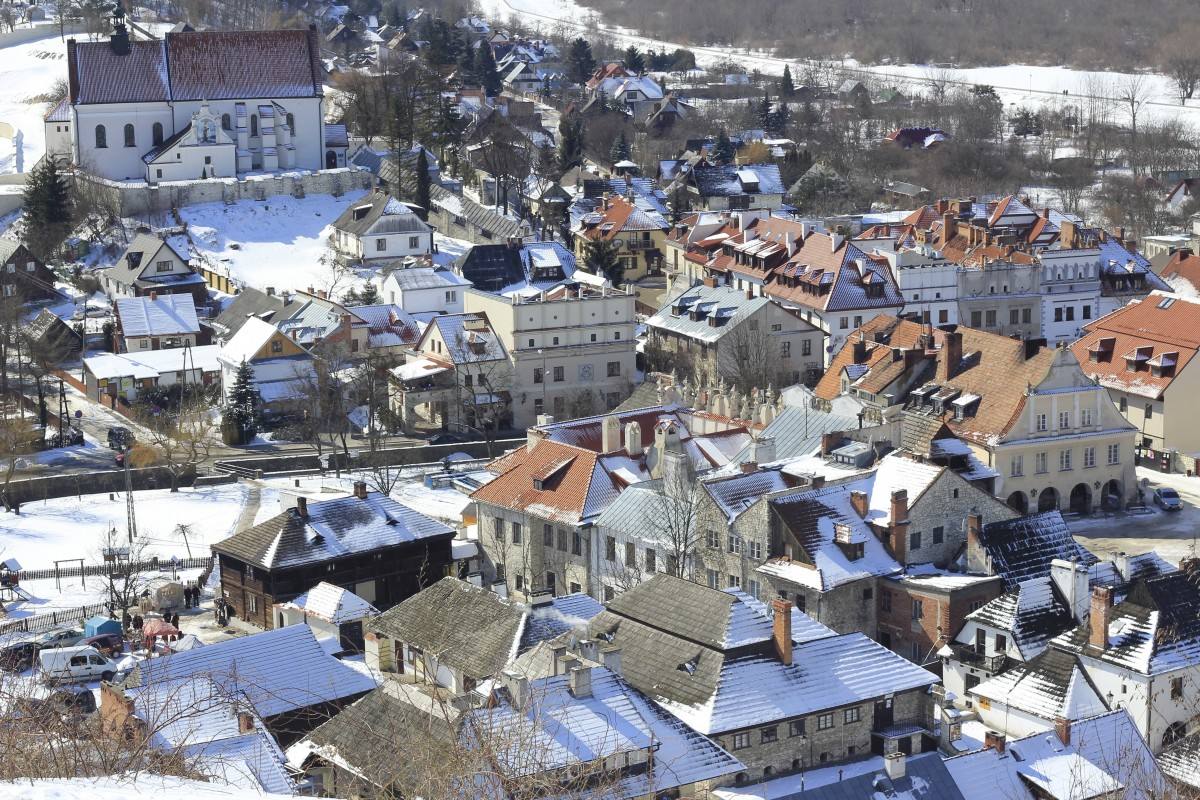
101,624
333,613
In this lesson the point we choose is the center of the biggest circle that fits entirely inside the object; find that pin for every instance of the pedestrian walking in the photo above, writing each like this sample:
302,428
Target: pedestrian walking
137,622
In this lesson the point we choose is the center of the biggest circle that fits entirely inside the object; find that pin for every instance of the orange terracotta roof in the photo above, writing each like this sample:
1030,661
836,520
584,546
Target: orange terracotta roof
552,481
1160,325
1184,265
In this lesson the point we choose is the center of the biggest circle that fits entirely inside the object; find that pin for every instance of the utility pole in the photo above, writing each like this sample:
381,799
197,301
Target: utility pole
130,518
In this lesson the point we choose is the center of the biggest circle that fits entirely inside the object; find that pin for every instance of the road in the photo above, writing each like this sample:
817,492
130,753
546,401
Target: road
1172,534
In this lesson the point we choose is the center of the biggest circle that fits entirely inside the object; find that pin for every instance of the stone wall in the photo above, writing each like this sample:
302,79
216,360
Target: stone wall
51,486
139,199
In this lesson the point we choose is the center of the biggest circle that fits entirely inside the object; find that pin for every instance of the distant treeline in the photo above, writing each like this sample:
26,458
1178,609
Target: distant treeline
1078,33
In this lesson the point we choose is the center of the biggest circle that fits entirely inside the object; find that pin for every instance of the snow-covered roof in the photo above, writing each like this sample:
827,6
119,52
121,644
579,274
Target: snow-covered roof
153,363
277,671
164,315
1050,686
418,367
248,341
333,604
1032,615
706,313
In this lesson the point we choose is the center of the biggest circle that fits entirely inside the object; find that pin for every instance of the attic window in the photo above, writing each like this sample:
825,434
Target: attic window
361,212
690,665
1137,360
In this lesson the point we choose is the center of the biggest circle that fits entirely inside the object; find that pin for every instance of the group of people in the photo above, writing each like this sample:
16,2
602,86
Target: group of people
191,596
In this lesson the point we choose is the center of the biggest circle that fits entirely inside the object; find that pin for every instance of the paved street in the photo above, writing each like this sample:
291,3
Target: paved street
1172,534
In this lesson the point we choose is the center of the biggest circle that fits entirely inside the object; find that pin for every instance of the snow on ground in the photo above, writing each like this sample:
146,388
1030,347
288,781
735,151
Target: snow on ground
446,505
1172,534
68,594
26,71
68,527
278,242
140,787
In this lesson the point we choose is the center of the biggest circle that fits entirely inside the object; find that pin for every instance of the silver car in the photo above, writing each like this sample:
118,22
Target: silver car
1167,499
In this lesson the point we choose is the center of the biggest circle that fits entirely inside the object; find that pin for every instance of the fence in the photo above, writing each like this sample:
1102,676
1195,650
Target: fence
89,570
47,622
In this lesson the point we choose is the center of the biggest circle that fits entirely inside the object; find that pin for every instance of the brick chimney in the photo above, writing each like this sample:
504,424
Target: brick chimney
949,228
1062,726
245,722
993,740
858,500
830,442
302,507
951,356
782,630
899,531
1099,618
153,295
360,490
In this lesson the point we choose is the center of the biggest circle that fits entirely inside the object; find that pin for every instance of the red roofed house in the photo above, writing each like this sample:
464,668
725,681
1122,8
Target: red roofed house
197,104
1141,353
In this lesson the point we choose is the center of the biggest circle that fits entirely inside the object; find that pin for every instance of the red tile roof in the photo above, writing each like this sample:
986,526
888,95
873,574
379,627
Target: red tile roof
1184,264
573,487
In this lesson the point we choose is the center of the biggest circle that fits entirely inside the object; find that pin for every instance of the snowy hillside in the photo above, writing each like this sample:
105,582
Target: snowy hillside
143,787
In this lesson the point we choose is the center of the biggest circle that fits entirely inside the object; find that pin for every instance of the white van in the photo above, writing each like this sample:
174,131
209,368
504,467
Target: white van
75,664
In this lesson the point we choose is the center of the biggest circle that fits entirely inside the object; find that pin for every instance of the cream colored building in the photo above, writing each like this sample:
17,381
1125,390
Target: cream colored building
571,349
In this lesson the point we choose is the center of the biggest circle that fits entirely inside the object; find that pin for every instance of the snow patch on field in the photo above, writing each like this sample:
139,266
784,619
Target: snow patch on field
26,71
141,787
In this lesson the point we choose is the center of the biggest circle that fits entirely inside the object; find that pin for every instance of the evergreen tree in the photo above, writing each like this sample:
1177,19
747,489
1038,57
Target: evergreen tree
580,61
466,67
570,141
446,127
620,150
764,110
635,62
786,87
369,295
47,208
421,194
241,410
722,151
485,70
600,257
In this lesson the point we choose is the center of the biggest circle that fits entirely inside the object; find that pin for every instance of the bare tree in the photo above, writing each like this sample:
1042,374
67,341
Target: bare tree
181,438
1133,92
125,576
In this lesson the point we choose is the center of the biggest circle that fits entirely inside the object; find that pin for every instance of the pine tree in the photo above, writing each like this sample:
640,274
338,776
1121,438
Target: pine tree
46,199
722,151
570,141
421,195
369,295
241,410
620,150
485,70
466,67
580,61
600,257
764,110
786,87
635,62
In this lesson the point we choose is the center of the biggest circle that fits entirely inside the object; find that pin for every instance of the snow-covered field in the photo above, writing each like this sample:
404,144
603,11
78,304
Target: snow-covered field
26,71
68,527
140,787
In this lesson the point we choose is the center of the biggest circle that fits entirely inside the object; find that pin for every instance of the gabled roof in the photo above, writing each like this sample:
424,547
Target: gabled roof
364,217
332,529
467,627
250,338
553,481
1050,686
250,302
139,257
197,65
388,325
1164,327
618,216
165,315
925,778
707,313
1022,548
469,338
333,604
500,226
560,730
1155,629
731,180
1032,614
1106,755
277,671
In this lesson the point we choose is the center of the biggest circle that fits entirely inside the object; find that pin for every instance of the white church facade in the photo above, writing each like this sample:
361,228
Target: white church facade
194,105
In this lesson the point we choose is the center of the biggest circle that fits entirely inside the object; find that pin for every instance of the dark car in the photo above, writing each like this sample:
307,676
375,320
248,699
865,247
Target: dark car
107,643
446,438
120,438
18,657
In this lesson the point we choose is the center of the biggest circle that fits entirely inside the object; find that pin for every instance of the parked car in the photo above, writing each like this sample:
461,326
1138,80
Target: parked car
65,637
446,438
107,643
75,665
1167,499
18,657
120,438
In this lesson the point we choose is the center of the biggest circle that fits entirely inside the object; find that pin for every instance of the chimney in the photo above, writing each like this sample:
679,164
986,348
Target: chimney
580,681
1062,726
610,433
245,722
830,442
360,490
860,349
749,466
782,630
951,356
977,560
1071,580
302,506
949,227
993,740
517,686
858,500
633,439
1100,616
835,241
710,281
899,517
611,658
541,598
153,295
893,766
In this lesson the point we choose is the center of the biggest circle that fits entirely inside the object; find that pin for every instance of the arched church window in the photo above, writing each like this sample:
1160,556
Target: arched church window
291,122
156,133
101,137
226,125
130,137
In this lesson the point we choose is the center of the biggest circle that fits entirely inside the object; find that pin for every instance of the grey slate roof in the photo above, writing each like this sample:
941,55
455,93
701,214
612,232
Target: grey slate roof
1049,686
725,180
797,431
1033,614
1023,547
501,227
1181,760
925,778
726,306
254,303
361,216
136,258
466,627
333,529
562,614
198,65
